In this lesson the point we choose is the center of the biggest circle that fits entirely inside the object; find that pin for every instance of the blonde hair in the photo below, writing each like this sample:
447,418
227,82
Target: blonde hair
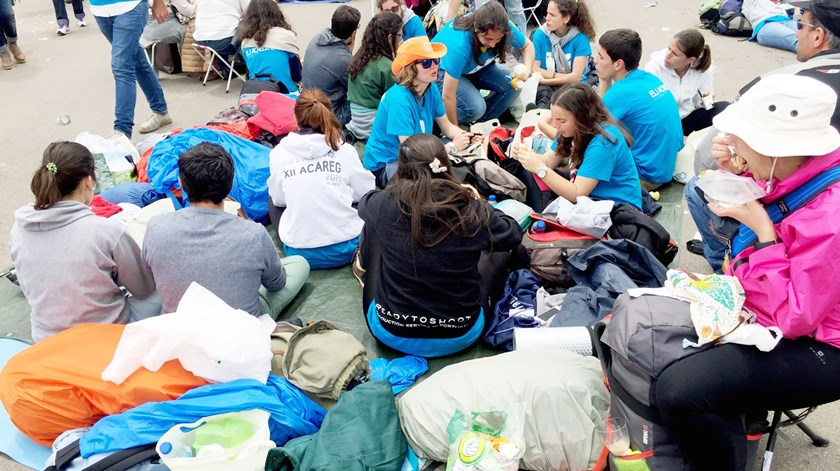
406,77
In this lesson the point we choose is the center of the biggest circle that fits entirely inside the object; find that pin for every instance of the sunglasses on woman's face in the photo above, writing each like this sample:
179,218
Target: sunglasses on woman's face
427,63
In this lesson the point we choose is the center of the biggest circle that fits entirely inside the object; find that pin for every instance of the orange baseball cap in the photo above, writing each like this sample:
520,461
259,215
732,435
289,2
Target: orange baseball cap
416,49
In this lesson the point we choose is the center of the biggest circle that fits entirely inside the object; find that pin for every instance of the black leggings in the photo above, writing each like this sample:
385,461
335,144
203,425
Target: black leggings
700,397
701,118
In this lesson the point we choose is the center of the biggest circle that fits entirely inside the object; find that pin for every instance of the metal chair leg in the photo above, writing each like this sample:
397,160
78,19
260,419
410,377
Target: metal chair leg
817,440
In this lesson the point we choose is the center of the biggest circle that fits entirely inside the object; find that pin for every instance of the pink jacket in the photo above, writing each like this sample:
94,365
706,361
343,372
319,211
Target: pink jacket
793,284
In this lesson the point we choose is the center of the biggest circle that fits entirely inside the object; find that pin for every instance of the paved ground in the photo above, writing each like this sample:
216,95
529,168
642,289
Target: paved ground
70,75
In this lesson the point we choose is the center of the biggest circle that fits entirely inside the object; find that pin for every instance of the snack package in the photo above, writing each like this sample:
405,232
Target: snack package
486,441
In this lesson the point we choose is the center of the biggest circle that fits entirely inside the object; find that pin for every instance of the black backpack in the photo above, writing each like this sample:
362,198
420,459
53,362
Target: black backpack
630,223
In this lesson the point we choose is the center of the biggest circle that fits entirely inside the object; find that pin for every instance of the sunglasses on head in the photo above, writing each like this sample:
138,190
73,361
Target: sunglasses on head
427,63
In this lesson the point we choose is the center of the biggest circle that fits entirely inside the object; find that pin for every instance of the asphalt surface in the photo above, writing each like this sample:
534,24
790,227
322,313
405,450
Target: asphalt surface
71,76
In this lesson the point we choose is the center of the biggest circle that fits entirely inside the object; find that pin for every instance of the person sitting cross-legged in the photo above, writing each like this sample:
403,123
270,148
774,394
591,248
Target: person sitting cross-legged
228,255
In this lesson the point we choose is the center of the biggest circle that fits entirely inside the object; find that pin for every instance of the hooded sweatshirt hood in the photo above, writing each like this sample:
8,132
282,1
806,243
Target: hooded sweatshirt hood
318,186
59,215
327,38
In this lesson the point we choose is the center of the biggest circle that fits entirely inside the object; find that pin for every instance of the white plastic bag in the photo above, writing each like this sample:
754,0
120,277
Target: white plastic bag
586,216
529,90
210,339
216,443
684,169
727,190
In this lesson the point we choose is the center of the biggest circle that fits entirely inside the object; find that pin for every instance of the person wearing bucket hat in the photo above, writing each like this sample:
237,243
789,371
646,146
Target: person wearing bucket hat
781,128
412,106
475,42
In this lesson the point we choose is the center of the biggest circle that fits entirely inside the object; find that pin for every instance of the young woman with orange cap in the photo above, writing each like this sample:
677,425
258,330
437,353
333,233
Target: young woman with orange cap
412,106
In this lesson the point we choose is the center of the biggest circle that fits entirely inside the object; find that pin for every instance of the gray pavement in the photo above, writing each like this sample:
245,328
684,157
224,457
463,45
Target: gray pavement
71,75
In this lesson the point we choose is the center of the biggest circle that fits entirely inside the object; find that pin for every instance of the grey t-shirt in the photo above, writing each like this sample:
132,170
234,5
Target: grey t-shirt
226,254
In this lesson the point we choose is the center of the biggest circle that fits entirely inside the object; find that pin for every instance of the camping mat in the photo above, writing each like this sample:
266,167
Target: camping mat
13,443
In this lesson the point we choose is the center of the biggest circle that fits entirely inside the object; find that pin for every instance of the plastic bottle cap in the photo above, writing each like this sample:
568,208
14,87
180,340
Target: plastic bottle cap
540,224
166,448
492,198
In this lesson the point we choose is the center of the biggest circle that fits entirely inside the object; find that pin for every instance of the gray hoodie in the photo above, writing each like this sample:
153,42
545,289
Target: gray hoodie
326,60
71,264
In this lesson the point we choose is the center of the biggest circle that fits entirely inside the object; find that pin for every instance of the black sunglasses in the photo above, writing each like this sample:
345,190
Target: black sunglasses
800,24
427,63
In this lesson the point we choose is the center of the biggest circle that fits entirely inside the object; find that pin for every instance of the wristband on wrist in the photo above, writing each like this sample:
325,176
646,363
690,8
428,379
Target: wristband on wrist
760,245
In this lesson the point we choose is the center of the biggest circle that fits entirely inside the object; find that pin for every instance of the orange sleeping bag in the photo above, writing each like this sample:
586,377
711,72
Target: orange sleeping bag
55,385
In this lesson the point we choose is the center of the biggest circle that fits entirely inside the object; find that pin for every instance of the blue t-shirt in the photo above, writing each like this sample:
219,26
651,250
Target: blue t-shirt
648,110
400,114
459,59
611,163
578,47
263,60
413,28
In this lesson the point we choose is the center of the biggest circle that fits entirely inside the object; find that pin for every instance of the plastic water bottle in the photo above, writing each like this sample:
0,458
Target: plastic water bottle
550,65
538,227
492,200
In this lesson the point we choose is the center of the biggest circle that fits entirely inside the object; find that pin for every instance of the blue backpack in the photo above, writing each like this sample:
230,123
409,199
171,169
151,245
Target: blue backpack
731,21
520,293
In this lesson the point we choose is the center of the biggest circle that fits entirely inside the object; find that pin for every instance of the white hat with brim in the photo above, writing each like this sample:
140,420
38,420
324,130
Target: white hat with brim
784,116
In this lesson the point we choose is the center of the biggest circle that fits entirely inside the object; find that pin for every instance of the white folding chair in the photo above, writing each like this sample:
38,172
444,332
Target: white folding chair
202,51
150,56
532,13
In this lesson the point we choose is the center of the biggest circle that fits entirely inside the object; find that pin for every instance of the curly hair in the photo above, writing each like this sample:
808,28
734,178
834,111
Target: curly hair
261,16
590,117
381,39
435,203
580,17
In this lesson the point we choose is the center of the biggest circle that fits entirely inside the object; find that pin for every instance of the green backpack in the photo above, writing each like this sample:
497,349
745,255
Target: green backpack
709,12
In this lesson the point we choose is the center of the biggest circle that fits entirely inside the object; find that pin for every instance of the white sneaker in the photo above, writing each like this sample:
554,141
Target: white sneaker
63,30
155,122
82,23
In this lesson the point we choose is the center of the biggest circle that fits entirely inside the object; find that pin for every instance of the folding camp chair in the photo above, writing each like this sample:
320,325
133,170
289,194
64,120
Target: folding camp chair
792,419
150,56
202,51
531,12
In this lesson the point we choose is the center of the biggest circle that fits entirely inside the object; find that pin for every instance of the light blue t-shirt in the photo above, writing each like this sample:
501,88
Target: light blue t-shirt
263,60
610,162
646,107
400,114
413,28
578,47
459,59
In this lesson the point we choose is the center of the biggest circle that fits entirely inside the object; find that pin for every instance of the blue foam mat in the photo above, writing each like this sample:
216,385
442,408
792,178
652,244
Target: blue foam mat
13,443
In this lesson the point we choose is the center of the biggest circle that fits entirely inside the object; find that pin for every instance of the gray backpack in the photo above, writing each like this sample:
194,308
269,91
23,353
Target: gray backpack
643,337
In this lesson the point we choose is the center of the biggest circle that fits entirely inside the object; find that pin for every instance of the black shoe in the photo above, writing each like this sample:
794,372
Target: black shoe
695,246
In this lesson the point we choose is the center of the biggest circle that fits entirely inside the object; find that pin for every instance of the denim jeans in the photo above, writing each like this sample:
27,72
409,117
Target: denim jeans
226,47
778,34
713,248
8,28
515,11
61,11
472,107
129,66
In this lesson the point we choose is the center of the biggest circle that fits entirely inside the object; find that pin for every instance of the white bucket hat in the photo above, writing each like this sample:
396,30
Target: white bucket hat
784,116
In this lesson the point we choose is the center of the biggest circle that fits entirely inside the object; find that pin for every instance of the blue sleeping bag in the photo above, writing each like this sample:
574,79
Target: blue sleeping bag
250,180
293,414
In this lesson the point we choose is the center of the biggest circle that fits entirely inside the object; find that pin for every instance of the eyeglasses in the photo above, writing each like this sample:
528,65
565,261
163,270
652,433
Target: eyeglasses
427,63
801,24
395,9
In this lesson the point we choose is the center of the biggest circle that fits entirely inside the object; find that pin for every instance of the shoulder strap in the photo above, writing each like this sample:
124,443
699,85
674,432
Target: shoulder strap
117,461
782,207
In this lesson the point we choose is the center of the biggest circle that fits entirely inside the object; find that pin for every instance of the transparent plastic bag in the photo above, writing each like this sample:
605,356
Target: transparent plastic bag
236,440
486,441
727,190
